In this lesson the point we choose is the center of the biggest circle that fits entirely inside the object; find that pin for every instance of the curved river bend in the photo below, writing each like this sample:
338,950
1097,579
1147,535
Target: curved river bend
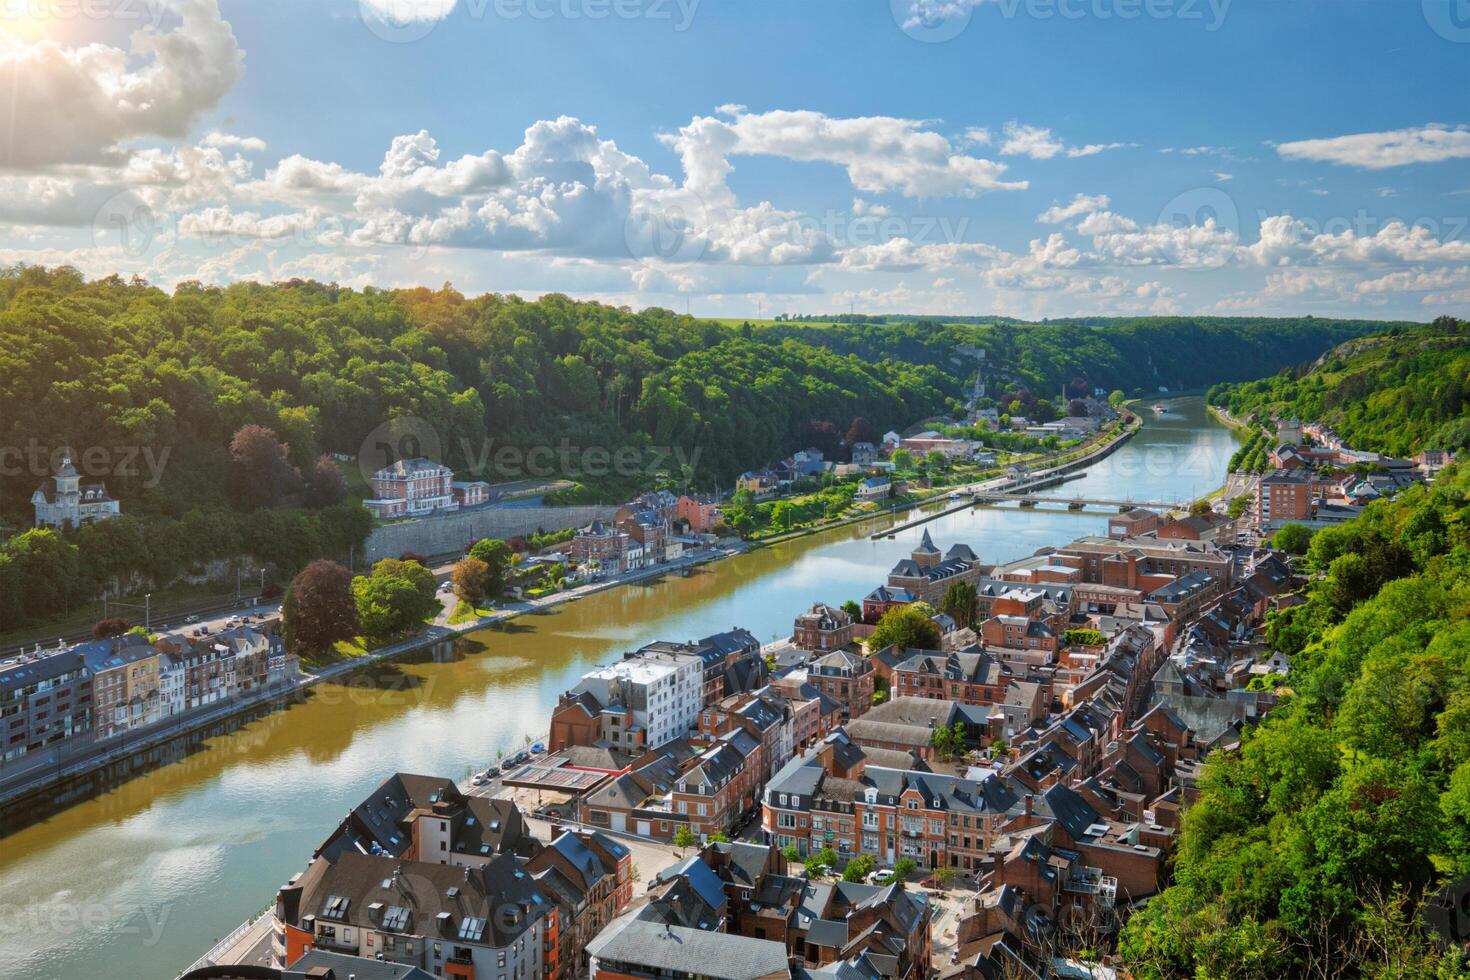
135,884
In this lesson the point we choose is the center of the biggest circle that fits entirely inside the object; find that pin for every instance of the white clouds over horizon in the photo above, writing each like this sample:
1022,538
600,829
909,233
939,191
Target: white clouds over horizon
1378,151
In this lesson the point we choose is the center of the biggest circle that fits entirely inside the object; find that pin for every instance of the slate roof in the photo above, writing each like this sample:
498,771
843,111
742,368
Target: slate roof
634,941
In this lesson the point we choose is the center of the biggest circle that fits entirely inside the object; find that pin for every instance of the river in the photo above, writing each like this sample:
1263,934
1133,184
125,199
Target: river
136,883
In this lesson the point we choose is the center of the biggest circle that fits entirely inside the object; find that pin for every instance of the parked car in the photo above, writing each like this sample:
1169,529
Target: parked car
480,779
191,619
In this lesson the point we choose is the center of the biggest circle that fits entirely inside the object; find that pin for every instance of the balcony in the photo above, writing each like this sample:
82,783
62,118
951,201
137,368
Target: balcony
1091,881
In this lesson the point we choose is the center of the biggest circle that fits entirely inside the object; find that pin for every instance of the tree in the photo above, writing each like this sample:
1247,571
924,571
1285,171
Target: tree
1238,506
1116,399
326,485
861,430
906,627
397,596
823,436
859,868
683,837
471,578
1294,539
960,603
319,609
853,609
261,473
105,628
1201,508
719,837
904,868
935,461
498,558
944,874
791,853
1077,408
903,460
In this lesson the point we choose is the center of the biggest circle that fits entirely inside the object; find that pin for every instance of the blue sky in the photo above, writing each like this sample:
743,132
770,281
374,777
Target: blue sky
1024,157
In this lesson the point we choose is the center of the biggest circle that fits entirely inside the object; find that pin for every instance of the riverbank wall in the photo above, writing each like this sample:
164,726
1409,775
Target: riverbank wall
445,534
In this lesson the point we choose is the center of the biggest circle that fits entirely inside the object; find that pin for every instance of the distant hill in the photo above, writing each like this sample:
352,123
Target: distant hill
1395,392
1136,355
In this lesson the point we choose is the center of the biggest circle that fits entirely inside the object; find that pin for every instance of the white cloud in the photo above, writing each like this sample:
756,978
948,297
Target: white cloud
1377,151
1036,142
78,105
229,141
408,11
879,153
1081,204
1039,143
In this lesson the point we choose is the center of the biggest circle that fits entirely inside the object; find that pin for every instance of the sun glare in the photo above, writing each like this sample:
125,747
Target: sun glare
23,20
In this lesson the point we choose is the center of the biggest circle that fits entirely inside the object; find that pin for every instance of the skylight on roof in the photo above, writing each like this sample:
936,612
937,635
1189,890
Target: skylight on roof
471,928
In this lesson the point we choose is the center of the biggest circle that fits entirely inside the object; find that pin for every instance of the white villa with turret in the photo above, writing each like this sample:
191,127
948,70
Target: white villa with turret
64,502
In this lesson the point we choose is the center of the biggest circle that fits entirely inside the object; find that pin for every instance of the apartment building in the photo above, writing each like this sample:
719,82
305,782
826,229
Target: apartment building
125,684
831,797
410,488
969,678
822,628
640,702
468,923
846,677
1283,495
45,697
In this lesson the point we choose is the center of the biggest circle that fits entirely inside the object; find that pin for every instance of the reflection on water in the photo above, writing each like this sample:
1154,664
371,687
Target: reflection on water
136,882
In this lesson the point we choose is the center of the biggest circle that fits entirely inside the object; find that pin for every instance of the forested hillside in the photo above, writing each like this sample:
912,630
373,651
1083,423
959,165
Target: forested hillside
1310,850
1396,392
1136,355
119,364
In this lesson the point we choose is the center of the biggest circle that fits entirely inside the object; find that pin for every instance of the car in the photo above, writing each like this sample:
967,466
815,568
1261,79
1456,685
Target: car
507,765
191,619
479,779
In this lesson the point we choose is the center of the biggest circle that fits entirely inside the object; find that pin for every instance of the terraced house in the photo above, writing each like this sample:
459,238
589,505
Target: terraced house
831,797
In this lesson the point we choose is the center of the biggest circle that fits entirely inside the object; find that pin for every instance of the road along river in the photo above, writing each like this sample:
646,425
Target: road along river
136,882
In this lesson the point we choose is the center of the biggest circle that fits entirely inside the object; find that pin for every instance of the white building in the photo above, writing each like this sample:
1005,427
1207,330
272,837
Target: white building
663,690
63,501
171,676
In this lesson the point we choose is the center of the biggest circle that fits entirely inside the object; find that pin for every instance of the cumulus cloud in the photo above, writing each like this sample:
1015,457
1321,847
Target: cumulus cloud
879,153
78,105
1378,151
1081,204
1039,143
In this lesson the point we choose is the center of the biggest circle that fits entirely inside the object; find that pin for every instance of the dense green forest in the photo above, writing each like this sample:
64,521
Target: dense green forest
1396,392
1136,356
114,363
1311,849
